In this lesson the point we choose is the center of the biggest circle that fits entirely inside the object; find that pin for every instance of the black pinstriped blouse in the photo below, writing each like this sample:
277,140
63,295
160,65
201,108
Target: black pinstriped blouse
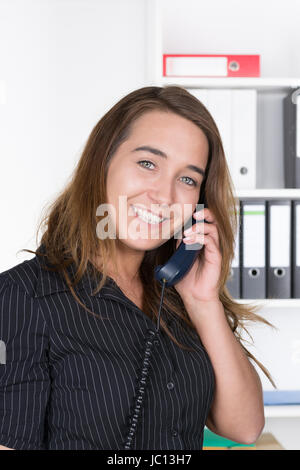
69,379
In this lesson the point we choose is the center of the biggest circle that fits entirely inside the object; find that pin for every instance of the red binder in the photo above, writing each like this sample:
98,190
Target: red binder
210,65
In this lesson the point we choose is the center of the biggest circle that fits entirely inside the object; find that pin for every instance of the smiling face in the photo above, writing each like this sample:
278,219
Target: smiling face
160,165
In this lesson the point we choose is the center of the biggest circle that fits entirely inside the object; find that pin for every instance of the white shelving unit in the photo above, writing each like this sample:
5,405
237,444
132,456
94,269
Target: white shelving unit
155,20
258,83
282,411
269,193
273,303
277,86
230,27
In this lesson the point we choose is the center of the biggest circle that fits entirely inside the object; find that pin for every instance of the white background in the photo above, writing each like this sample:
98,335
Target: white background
64,63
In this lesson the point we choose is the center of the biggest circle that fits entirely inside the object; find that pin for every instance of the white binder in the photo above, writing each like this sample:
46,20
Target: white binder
253,244
296,250
279,246
243,139
234,112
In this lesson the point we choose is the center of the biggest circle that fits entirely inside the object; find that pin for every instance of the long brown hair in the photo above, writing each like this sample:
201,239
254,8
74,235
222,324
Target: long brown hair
69,225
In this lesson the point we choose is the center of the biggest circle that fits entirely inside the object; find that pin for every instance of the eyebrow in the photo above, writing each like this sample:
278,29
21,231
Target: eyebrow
160,153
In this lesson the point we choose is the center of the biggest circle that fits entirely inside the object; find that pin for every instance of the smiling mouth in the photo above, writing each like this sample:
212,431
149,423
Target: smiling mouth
147,217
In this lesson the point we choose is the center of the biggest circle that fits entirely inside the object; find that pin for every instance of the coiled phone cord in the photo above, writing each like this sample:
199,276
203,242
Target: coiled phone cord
142,381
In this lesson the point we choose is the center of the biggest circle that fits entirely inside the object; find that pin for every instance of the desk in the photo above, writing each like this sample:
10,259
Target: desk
283,421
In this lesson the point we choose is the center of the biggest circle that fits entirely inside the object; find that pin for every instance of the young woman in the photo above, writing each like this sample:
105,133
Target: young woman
75,317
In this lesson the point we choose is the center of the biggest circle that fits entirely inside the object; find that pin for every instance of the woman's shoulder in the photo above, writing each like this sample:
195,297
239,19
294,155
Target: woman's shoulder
20,312
24,276
37,277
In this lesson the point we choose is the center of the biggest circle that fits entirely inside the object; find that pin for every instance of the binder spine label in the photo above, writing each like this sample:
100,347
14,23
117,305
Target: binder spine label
254,223
280,223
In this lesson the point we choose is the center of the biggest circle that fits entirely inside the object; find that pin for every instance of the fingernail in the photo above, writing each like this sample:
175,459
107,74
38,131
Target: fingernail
198,214
187,238
188,230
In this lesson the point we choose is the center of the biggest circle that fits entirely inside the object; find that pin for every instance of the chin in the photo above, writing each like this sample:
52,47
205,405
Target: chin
143,245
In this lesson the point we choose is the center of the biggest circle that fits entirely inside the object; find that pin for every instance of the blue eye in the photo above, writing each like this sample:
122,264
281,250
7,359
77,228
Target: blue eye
193,182
145,161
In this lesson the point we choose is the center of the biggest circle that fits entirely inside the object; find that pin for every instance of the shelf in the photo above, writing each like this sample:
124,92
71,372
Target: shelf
282,411
232,82
272,303
290,193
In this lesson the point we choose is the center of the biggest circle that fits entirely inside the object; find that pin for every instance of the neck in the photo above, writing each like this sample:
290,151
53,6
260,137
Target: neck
128,264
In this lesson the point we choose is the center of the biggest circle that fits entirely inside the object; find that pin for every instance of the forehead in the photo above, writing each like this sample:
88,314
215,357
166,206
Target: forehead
170,133
157,119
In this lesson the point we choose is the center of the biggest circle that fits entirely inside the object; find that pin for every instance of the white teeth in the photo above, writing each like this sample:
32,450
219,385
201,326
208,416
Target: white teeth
147,217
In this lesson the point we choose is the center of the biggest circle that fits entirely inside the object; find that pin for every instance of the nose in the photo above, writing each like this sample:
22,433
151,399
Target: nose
161,195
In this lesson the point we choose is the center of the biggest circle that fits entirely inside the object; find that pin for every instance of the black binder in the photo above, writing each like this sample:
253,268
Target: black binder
279,249
291,113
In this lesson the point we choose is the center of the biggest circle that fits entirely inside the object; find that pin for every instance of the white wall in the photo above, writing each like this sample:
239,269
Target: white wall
63,64
277,349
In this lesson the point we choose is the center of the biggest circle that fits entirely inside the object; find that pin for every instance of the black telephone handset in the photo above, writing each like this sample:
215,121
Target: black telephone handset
181,261
171,272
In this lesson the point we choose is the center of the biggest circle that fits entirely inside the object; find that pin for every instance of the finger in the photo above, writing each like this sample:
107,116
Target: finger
205,240
207,229
212,230
204,214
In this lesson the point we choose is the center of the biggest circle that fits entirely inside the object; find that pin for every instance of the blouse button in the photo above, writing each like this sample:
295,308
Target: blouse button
150,332
170,385
174,433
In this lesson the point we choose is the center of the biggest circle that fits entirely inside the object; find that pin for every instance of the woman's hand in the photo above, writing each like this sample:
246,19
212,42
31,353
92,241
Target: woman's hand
200,283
